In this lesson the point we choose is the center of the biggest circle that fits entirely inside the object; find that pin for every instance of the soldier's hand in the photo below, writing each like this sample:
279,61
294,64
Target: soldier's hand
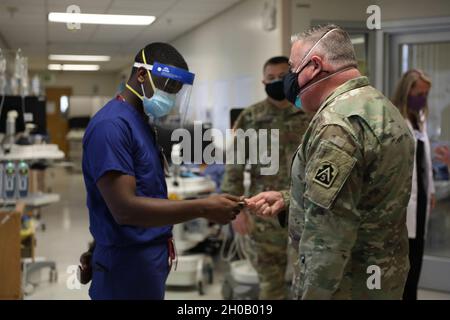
221,208
266,204
242,224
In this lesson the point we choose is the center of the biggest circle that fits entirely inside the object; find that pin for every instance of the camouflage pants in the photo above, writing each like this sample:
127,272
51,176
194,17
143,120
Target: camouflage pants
269,257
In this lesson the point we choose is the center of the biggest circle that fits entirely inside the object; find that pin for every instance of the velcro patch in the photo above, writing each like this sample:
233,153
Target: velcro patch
326,174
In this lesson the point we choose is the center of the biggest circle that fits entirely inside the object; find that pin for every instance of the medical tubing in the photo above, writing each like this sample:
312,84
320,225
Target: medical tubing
238,246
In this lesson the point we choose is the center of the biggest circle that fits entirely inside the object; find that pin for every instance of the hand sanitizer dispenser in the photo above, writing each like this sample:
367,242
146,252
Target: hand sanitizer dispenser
10,180
22,179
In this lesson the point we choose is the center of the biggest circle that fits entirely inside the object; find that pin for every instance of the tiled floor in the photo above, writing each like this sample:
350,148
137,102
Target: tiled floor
67,235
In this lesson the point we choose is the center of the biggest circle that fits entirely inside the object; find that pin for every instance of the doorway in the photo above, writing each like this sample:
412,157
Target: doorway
57,123
429,52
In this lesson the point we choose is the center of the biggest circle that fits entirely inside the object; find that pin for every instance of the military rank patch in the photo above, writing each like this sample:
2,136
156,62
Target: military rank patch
326,174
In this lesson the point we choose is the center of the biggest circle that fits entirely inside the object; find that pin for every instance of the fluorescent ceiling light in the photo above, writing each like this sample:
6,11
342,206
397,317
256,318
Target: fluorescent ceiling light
89,18
358,40
77,57
73,67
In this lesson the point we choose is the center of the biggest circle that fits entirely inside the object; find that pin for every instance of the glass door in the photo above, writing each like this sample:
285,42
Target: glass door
430,51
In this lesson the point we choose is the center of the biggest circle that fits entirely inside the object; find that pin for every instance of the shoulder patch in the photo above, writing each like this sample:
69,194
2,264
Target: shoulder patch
326,174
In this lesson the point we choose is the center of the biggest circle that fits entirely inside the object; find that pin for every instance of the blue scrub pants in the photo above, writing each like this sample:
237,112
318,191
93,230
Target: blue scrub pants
130,273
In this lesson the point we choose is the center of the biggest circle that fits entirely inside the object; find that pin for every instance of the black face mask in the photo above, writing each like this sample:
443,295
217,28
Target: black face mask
291,87
275,90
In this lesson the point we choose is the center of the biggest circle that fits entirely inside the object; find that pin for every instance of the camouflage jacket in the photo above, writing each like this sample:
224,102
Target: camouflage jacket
351,181
291,124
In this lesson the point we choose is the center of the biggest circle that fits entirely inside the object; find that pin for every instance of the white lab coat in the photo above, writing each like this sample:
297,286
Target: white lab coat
411,217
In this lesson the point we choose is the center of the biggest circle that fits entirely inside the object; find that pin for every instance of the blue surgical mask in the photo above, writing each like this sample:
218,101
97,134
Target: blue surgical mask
160,104
298,103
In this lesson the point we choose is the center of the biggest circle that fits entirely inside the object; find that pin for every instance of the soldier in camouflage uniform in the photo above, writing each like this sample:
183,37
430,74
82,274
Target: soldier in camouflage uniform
268,240
350,180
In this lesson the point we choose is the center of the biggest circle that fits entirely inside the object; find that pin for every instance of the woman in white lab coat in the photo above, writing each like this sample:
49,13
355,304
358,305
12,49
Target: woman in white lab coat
411,98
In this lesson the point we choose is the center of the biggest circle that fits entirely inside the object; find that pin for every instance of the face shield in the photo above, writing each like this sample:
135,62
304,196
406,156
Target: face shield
175,89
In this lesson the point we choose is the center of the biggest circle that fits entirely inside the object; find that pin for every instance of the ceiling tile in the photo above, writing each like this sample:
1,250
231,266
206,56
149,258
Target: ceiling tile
86,6
116,34
141,7
60,33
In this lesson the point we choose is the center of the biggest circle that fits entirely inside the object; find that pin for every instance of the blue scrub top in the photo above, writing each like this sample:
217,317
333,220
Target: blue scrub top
119,138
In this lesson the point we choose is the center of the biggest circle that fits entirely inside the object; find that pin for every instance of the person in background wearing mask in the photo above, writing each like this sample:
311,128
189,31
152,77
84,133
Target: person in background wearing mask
123,167
351,177
410,97
269,240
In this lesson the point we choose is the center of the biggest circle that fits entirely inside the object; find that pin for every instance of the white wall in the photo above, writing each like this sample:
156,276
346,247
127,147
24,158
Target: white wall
84,83
86,106
227,55
408,9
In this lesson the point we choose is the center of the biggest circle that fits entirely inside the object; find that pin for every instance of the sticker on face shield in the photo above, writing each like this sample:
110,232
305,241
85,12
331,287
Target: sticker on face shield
174,73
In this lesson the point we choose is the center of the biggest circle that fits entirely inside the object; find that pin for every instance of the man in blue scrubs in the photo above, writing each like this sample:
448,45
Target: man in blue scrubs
130,216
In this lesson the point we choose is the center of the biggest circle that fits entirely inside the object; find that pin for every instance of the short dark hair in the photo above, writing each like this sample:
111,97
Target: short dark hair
162,53
276,60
